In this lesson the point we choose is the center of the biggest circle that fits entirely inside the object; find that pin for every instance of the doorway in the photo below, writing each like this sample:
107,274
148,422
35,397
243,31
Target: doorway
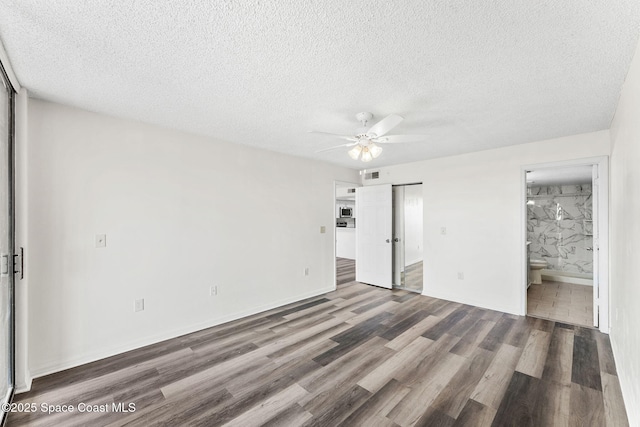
6,243
345,232
565,247
407,237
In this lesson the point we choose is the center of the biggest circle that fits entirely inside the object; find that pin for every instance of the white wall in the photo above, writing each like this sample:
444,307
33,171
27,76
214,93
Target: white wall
625,240
477,198
181,213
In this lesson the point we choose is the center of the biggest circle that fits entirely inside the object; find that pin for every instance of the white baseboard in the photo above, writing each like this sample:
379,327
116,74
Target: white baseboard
475,303
627,387
23,387
57,366
567,279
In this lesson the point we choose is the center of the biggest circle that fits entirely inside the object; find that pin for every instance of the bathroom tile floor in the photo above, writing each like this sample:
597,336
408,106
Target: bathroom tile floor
564,302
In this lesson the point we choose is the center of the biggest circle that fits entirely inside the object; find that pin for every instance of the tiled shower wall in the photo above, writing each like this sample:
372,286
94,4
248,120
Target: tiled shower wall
560,227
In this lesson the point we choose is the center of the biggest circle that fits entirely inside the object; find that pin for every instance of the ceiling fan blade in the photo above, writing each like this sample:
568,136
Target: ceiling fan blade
351,144
384,125
393,139
347,137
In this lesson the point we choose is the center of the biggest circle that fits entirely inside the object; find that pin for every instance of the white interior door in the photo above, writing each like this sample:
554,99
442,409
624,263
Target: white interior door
373,235
596,243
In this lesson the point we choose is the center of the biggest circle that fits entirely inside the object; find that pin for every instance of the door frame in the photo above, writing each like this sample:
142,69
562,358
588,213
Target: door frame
602,163
11,231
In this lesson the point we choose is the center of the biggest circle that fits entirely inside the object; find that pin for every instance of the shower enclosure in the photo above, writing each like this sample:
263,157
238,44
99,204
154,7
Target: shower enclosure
560,229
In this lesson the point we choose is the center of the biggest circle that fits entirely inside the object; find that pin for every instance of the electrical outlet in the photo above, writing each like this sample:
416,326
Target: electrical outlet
460,275
101,240
213,290
139,305
306,271
323,229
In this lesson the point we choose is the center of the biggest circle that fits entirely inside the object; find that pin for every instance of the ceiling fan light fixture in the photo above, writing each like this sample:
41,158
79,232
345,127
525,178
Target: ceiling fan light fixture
354,153
366,155
375,150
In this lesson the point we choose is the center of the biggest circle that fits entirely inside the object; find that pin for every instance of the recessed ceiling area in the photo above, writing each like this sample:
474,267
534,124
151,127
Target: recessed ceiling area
569,175
471,76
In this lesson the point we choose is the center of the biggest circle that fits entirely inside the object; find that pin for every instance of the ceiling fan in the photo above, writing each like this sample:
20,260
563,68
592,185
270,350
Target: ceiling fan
365,141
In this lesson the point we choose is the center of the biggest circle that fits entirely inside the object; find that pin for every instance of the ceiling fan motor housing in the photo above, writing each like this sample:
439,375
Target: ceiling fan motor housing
364,117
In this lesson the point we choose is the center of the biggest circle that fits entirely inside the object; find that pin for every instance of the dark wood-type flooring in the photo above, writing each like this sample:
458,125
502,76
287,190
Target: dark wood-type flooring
413,277
359,356
345,270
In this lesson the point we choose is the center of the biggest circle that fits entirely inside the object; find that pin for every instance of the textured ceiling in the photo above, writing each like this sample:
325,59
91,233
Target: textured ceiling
472,75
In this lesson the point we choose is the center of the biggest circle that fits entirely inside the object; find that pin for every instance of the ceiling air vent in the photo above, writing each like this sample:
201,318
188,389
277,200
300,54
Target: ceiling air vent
372,175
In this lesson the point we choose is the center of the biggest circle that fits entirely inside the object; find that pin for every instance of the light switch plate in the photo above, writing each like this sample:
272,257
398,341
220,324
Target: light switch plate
323,229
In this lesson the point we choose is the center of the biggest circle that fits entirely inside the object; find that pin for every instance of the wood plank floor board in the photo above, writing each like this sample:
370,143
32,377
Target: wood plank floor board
406,297
518,406
251,396
493,384
376,303
496,336
469,321
294,415
345,270
336,359
447,323
269,408
613,401
553,404
403,325
470,340
453,397
475,414
534,355
374,410
341,406
585,369
348,369
404,360
386,308
306,346
586,407
434,417
559,361
425,389
427,361
284,313
412,333
605,355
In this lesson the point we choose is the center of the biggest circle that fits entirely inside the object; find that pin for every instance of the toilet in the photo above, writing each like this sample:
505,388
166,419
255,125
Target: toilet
535,270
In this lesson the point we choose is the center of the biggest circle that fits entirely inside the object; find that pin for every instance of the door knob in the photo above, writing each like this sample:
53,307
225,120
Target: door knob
396,240
589,249
388,240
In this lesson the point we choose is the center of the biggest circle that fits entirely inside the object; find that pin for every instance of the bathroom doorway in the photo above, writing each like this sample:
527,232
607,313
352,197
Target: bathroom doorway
564,246
407,237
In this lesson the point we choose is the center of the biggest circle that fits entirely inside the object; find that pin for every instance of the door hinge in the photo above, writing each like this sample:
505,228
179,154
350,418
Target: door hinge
18,264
